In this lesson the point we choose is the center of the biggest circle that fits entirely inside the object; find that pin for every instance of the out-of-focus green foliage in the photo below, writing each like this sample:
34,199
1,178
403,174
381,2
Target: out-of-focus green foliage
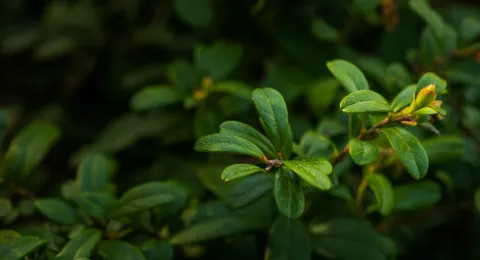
241,129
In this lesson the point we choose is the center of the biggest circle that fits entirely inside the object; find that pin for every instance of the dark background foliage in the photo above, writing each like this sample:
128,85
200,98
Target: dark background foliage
77,64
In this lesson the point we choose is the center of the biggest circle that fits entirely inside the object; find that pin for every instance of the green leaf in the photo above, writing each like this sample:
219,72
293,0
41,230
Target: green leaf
404,98
183,75
206,122
219,59
119,250
444,148
321,95
349,75
383,190
313,170
30,146
431,17
476,200
20,247
364,101
7,235
350,239
273,113
469,29
194,12
323,31
57,210
224,142
409,150
236,171
432,78
313,144
94,204
216,228
289,81
153,97
367,5
288,240
81,245
249,133
288,193
417,195
430,47
156,250
143,197
250,190
362,152
5,207
397,75
235,88
93,173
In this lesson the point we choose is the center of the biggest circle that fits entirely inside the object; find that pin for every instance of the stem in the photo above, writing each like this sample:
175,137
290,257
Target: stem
359,196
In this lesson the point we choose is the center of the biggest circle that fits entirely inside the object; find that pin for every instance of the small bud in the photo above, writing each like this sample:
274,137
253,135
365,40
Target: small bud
199,95
207,82
425,97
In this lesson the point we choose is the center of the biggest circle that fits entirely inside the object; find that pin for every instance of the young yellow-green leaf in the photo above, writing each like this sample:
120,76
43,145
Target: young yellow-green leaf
235,171
383,190
431,17
153,97
364,101
409,150
81,245
119,250
417,195
249,133
235,88
349,75
93,173
215,228
250,190
30,146
432,78
274,118
218,60
288,193
313,170
362,152
288,240
143,197
224,142
57,210
404,98
18,248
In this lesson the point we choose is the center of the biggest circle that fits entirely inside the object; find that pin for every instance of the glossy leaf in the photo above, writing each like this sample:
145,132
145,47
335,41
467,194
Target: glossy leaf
154,97
20,247
119,250
404,98
57,210
409,150
273,113
81,245
249,133
218,60
93,173
417,195
362,152
30,146
432,78
215,228
364,101
143,197
288,240
349,239
288,193
313,170
250,190
349,75
383,190
236,171
224,142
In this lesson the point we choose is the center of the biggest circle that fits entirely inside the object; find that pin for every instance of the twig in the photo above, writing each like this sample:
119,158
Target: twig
23,191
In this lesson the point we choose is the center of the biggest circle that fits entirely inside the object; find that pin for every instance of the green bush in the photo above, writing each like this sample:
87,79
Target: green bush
214,129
